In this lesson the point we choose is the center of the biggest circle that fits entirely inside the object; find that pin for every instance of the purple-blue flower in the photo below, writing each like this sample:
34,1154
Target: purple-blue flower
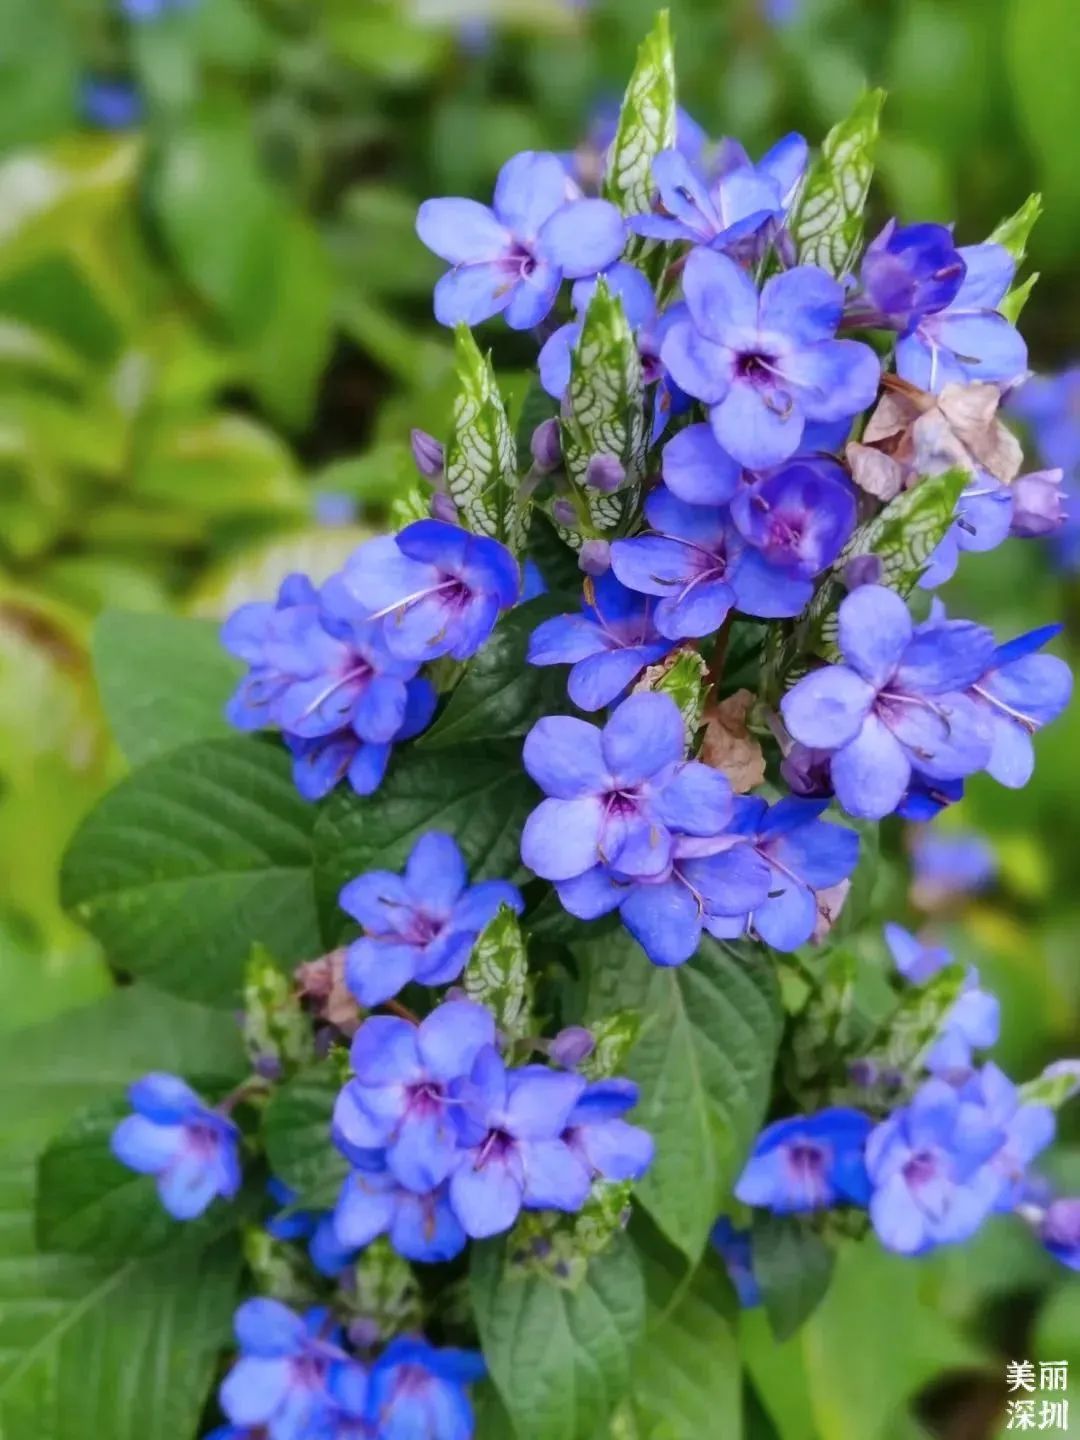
1019,692
110,104
510,1130
914,959
808,1162
973,1022
896,704
950,865
1050,405
722,210
928,1168
421,925
735,1248
1039,504
607,644
616,795
1059,1230
1026,1129
700,568
423,1228
190,1149
697,471
607,1144
416,1392
908,272
766,365
984,515
398,1099
438,589
512,257
798,516
287,1372
969,339
327,1253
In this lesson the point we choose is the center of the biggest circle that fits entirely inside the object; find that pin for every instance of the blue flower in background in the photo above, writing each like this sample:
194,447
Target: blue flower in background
723,210
416,1392
140,11
1019,692
766,365
809,1162
950,866
969,339
928,1167
896,705
973,1022
616,795
421,925
700,568
1026,1129
735,1248
512,258
420,1227
908,272
398,1099
597,1133
327,1253
916,961
607,644
110,104
287,1370
191,1150
1050,406
438,589
984,516
510,1128
1059,1231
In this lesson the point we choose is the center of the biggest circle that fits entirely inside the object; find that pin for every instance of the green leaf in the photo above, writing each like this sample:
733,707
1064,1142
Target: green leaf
193,859
125,1348
481,468
500,693
793,1267
560,1358
497,975
687,1375
49,1072
138,660
647,123
604,416
479,794
1014,232
90,1204
296,1132
1057,1084
1013,304
827,227
224,465
704,1061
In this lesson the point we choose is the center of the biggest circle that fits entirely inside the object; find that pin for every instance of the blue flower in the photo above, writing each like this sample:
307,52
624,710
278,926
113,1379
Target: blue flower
513,257
421,925
924,798
596,1132
416,1392
287,1371
728,208
607,644
1039,505
908,272
984,515
766,365
896,705
423,1228
809,1162
969,339
1050,405
916,961
261,634
190,1149
948,866
735,1248
510,1130
1059,1231
927,1165
438,589
1026,1130
398,1099
143,10
701,568
798,517
110,104
1019,692
697,470
973,1022
617,794
326,1251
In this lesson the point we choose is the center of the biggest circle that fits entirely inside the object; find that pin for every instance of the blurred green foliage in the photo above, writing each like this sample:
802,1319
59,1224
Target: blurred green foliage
216,324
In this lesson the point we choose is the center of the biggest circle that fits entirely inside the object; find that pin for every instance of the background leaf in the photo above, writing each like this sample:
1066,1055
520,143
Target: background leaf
296,1132
793,1267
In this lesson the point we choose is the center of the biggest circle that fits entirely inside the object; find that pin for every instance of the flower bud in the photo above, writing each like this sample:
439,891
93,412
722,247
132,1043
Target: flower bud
806,772
862,570
429,455
1038,504
594,557
563,513
546,446
605,473
571,1046
443,508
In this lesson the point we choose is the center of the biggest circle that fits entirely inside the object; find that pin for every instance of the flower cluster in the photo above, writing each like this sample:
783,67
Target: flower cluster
295,1377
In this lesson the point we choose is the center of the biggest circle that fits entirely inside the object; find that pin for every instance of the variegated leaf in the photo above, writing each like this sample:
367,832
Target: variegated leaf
481,464
497,975
647,123
603,414
1057,1083
683,676
827,226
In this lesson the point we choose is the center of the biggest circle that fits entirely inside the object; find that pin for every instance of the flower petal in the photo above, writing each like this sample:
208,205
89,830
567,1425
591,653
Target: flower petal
644,734
871,772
